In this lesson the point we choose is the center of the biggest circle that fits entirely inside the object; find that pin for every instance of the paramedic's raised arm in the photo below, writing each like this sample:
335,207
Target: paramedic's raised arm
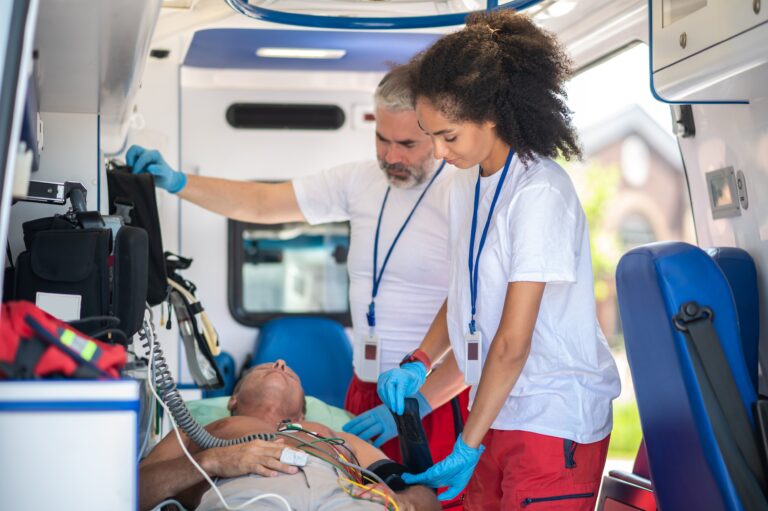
240,200
261,203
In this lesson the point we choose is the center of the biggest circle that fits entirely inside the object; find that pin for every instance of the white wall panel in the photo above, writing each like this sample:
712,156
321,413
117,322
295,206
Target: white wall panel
156,126
737,136
210,147
70,154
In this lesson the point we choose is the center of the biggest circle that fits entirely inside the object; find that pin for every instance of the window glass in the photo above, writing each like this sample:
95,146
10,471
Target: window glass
289,269
635,230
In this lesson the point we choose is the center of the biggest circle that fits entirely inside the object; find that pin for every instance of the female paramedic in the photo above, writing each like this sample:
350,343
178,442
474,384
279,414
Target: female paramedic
520,313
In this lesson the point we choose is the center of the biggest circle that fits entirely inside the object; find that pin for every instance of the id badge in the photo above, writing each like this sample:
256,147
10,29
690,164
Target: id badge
472,363
368,369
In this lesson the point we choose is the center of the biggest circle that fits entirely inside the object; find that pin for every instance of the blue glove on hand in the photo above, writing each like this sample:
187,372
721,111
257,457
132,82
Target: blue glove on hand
397,384
454,471
379,422
142,160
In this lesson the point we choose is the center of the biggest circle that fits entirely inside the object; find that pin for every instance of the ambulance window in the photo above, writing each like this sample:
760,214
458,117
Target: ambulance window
635,230
268,116
285,269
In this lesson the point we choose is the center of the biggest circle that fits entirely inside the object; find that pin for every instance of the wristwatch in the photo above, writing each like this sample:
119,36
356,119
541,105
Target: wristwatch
417,355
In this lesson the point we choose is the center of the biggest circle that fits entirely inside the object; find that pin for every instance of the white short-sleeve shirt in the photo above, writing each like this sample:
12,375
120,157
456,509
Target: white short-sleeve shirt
538,233
415,283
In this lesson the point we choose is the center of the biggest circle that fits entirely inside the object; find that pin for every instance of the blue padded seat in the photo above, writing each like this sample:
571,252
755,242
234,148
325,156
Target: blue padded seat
318,349
686,464
739,268
227,369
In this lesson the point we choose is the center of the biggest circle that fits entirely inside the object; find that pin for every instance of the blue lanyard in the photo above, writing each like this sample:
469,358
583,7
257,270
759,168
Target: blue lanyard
371,315
475,269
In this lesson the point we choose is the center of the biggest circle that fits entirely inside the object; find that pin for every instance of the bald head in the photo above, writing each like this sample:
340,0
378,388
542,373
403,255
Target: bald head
269,391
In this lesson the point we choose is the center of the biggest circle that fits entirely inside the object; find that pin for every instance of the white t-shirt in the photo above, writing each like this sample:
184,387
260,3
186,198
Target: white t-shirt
415,282
538,233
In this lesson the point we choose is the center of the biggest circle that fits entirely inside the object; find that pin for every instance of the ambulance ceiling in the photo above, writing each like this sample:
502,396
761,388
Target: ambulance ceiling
236,48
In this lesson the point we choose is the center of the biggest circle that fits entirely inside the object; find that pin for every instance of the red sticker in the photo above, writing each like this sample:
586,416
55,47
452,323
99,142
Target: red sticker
473,351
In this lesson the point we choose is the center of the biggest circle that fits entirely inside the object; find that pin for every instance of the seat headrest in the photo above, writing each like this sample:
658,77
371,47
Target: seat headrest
739,268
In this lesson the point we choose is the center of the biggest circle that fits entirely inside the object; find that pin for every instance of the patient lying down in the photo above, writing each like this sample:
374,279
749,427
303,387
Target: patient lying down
267,398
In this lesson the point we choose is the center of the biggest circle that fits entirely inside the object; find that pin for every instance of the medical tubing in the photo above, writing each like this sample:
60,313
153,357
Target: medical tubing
166,389
367,473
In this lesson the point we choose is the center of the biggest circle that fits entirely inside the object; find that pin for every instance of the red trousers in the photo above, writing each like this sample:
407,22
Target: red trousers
438,425
520,470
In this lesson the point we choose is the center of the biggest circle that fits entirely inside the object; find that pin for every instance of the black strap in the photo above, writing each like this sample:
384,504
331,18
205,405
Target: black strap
731,424
414,447
48,338
85,372
458,420
28,354
195,308
390,472
9,255
569,451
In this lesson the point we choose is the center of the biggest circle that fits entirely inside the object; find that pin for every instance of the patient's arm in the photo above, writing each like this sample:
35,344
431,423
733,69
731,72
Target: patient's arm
167,473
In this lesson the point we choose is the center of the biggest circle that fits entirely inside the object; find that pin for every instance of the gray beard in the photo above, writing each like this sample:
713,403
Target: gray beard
412,180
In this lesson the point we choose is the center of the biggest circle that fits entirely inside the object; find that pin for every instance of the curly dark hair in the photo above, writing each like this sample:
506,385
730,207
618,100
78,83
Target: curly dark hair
502,68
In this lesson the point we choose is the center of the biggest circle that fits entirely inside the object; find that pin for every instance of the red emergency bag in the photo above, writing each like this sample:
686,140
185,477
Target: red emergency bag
34,344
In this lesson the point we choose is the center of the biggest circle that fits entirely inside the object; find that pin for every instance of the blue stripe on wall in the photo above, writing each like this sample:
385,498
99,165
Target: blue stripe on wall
235,48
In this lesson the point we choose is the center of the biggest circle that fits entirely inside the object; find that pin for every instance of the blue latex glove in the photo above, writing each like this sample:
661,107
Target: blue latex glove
143,160
454,471
378,422
397,384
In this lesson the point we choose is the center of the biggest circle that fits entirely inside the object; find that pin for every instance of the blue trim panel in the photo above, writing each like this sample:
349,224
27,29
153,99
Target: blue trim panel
69,406
363,23
186,386
235,48
67,381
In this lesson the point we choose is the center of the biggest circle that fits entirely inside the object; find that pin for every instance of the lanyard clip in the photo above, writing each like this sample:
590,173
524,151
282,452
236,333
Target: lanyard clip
472,328
371,315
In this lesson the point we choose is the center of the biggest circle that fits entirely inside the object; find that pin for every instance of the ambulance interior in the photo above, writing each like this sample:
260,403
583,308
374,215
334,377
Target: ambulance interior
670,98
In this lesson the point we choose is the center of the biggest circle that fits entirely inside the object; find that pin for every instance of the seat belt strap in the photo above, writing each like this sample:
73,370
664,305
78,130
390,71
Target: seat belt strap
712,369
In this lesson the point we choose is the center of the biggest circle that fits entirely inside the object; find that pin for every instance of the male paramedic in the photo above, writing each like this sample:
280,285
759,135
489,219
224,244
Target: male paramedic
309,477
398,265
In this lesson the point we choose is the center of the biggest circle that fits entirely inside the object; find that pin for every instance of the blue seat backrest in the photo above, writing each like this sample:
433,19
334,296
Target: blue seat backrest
739,268
318,349
653,281
228,371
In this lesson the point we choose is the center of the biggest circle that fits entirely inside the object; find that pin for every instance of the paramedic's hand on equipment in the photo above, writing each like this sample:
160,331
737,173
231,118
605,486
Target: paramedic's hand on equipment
378,422
397,384
143,160
454,471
